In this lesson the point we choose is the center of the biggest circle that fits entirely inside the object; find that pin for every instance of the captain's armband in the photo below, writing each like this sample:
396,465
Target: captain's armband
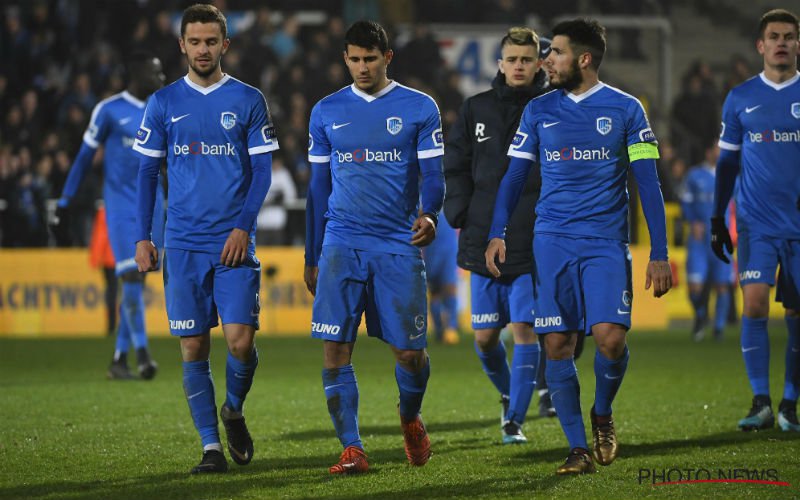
643,151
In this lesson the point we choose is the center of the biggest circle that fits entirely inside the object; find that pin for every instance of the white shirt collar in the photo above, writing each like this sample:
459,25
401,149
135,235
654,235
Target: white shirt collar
210,88
779,86
371,97
587,94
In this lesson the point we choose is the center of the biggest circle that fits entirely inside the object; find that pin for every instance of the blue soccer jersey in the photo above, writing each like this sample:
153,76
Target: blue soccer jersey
761,119
697,196
113,125
584,144
373,144
207,135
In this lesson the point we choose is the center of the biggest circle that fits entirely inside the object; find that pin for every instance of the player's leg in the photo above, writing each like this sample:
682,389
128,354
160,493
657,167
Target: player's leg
118,369
450,313
722,275
696,276
336,315
191,317
546,408
132,312
489,299
395,313
788,287
525,361
758,260
236,298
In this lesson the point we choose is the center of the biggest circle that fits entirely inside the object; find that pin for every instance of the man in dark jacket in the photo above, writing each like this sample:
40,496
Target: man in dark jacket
474,163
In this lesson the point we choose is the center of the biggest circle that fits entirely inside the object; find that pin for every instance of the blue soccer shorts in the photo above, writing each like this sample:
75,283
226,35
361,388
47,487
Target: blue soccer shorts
703,266
787,292
580,282
440,258
498,302
759,256
389,289
197,288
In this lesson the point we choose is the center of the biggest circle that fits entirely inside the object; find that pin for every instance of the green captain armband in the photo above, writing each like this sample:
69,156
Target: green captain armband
643,151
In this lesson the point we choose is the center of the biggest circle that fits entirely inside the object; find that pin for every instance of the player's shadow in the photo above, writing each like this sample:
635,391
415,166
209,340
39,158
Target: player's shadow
390,430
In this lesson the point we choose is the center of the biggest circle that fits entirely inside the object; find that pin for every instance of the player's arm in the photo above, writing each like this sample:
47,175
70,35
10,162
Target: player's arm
458,170
150,143
319,190
432,188
508,195
643,163
728,165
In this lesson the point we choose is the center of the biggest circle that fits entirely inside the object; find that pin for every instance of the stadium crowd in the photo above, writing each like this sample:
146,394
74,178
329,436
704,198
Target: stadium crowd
60,58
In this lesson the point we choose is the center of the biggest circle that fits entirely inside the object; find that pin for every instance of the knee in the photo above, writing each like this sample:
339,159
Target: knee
413,361
756,310
195,348
559,346
487,340
610,342
242,347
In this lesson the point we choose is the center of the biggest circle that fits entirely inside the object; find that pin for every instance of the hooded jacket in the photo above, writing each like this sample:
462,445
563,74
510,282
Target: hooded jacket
475,161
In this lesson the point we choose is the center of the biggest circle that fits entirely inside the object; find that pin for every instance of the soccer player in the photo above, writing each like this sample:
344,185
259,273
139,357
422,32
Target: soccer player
217,135
368,145
586,135
760,142
113,125
702,268
474,164
442,274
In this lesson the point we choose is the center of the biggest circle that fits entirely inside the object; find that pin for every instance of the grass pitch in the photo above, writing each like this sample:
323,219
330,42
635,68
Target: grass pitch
67,433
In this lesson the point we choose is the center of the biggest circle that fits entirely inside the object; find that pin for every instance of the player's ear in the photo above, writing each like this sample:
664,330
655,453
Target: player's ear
500,66
225,44
182,45
388,55
760,45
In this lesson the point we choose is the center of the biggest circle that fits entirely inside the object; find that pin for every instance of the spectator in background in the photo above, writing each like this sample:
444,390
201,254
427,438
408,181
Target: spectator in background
695,119
272,218
81,95
101,257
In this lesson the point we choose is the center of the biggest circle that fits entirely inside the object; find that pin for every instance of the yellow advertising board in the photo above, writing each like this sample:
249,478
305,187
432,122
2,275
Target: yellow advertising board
53,292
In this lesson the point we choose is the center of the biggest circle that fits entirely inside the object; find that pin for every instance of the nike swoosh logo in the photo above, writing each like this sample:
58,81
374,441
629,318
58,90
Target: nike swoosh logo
241,456
620,311
125,120
609,378
748,349
179,118
339,125
481,139
526,366
332,386
195,394
348,466
750,110
548,125
415,337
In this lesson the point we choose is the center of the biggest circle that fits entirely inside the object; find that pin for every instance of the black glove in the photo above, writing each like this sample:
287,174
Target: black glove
60,226
720,237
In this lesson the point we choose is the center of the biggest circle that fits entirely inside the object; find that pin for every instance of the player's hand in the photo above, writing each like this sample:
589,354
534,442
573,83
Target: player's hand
720,237
146,256
235,249
424,231
659,275
495,252
310,274
59,225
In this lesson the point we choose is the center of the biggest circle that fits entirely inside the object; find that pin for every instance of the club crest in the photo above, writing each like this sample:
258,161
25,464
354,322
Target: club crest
604,125
796,109
227,120
394,124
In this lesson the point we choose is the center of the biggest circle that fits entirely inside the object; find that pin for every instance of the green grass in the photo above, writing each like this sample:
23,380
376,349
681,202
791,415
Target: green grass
67,433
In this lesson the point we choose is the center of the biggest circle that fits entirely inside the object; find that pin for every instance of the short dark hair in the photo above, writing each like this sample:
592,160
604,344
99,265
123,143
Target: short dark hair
138,57
521,36
777,16
204,13
368,35
585,35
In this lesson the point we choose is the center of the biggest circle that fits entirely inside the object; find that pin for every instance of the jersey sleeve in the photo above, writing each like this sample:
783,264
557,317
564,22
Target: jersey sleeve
641,141
525,144
730,138
319,147
430,142
261,136
99,126
151,139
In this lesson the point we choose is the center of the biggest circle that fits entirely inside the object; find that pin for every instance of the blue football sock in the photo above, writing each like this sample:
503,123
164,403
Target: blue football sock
133,312
412,389
722,309
123,336
436,314
199,389
541,383
698,304
792,378
450,304
562,380
755,350
524,367
608,376
495,365
238,379
341,391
